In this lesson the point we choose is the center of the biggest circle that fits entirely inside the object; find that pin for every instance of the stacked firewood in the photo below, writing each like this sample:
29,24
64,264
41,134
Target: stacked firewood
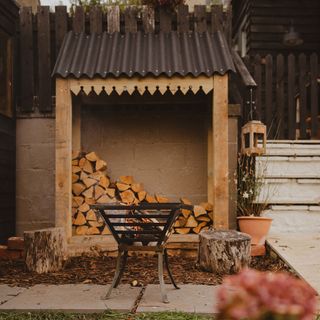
91,185
200,218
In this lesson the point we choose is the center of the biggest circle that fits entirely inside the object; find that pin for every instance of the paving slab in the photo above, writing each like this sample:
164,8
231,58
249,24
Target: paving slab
200,299
302,253
73,298
7,293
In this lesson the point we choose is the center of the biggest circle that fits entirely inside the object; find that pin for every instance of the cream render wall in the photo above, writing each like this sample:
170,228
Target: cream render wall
164,147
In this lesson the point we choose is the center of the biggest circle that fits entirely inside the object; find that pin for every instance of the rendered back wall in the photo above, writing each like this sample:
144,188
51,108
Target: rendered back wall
162,146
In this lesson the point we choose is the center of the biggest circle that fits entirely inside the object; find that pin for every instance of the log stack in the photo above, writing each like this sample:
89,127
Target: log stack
91,185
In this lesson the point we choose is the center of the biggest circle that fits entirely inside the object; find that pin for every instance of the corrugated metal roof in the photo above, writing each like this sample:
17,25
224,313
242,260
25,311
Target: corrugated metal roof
143,54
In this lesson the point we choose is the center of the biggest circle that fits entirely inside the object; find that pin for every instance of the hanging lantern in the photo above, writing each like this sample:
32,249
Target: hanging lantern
251,134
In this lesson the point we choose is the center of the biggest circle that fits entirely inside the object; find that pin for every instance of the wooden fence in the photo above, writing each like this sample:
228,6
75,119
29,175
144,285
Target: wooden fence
41,36
287,96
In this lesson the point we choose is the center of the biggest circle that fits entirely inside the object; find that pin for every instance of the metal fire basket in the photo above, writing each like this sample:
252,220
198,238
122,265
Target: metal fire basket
142,227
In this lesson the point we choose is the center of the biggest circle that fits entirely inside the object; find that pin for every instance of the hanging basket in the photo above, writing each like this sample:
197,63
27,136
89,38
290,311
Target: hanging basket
253,138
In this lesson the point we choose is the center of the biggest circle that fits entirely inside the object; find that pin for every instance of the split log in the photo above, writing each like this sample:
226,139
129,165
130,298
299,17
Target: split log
161,199
91,215
104,182
198,228
101,165
127,196
88,193
88,168
142,195
150,198
106,230
186,201
111,192
78,188
91,156
45,250
76,169
98,192
224,251
191,222
122,186
84,207
92,231
82,230
198,211
104,199
137,187
75,178
88,182
186,213
126,179
80,219
89,201
182,230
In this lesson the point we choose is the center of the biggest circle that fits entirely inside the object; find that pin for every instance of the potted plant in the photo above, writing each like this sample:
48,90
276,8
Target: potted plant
251,202
254,295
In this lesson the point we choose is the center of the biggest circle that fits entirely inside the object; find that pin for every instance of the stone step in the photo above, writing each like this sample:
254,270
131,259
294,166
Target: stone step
293,148
289,167
289,219
290,191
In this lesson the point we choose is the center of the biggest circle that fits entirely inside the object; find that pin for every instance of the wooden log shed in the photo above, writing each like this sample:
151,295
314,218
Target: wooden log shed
165,60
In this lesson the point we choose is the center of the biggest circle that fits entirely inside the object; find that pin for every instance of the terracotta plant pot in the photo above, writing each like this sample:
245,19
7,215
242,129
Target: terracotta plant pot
256,227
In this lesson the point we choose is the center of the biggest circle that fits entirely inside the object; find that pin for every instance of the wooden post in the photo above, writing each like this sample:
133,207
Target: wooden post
63,156
220,151
76,125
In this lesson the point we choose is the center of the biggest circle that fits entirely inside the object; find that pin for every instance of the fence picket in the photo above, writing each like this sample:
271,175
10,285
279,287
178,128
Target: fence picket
270,120
165,20
258,78
78,23
130,19
148,19
26,60
200,18
216,18
182,18
44,59
280,96
303,95
315,110
61,26
291,97
95,20
113,19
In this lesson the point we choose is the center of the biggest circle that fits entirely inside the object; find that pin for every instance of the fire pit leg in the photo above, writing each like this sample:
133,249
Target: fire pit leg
122,267
169,271
116,275
161,281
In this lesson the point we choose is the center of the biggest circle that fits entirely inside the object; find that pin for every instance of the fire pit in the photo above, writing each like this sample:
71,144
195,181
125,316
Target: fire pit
143,227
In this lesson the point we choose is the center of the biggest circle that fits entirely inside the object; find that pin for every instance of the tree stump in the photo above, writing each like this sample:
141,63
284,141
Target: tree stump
45,249
224,252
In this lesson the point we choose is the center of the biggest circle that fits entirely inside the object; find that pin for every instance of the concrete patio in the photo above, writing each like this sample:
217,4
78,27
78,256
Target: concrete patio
84,298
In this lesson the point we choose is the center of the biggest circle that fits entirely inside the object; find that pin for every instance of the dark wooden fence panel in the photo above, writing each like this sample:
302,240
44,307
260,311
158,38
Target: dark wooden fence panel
41,36
287,96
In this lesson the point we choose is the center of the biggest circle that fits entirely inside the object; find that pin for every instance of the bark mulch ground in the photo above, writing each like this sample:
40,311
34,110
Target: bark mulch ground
100,270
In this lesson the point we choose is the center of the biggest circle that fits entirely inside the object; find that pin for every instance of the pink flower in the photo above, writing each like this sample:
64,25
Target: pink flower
254,295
